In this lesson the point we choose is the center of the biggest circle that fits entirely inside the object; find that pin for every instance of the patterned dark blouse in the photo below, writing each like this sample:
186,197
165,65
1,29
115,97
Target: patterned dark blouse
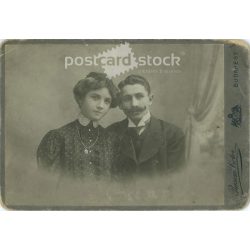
77,150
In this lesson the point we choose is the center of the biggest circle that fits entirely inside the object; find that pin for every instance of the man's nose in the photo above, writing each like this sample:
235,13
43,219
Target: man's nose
134,102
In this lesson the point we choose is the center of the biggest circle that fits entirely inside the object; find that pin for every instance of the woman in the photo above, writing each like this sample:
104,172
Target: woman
83,148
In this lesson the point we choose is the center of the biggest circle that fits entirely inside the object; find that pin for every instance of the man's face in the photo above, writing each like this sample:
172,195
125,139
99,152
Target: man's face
135,101
96,104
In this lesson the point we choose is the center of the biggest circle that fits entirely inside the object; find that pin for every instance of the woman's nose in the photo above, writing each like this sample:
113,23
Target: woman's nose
100,104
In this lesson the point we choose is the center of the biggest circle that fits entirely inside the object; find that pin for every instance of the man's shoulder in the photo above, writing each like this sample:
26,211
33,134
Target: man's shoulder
167,127
117,127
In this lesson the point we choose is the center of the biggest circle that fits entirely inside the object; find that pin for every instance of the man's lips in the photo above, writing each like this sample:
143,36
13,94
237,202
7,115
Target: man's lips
135,112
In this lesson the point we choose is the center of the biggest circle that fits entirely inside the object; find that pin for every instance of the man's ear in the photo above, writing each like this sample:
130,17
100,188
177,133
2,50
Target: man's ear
151,97
120,106
119,99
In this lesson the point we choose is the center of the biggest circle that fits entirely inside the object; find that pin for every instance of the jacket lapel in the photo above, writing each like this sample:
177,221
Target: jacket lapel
152,141
126,143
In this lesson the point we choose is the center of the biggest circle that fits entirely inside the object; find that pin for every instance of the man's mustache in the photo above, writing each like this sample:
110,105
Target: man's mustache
136,109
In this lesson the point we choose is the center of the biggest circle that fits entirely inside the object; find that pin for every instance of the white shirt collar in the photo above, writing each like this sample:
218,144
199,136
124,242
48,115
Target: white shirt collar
142,122
85,121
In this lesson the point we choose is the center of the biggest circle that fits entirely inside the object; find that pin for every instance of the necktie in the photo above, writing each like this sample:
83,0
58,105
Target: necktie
136,131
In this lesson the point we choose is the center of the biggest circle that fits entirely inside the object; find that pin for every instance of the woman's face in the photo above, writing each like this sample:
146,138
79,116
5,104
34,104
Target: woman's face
96,104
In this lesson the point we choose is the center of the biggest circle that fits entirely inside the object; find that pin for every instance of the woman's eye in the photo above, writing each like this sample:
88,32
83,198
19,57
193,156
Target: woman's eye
95,97
108,101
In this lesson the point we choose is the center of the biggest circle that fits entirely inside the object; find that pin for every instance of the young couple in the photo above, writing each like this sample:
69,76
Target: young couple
139,145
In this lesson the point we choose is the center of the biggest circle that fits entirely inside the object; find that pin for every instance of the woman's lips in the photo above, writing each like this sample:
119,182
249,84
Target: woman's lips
98,112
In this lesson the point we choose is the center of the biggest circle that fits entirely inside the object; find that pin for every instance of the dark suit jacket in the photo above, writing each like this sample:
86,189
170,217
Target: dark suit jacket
162,149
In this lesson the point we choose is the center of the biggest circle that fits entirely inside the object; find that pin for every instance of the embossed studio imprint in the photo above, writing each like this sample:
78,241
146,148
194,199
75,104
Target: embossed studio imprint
235,116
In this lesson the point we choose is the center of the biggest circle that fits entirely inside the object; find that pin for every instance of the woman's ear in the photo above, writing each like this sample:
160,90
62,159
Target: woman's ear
79,102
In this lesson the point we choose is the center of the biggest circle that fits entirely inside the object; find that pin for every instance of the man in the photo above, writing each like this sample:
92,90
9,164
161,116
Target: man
145,145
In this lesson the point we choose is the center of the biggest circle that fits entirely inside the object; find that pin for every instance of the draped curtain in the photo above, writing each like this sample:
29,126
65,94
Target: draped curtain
204,124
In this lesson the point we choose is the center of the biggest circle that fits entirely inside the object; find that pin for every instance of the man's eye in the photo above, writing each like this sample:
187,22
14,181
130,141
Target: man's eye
139,96
126,98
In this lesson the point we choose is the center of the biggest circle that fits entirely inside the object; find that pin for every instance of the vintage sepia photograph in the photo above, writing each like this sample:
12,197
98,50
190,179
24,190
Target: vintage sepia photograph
124,124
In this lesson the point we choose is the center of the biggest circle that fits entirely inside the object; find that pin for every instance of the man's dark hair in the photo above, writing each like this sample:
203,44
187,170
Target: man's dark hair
94,81
135,79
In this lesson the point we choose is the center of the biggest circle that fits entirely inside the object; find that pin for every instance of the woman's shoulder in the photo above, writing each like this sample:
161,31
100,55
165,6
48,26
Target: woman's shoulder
65,129
57,135
108,136
104,131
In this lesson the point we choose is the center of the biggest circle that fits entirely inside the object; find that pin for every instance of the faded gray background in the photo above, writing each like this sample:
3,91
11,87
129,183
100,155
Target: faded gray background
38,98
